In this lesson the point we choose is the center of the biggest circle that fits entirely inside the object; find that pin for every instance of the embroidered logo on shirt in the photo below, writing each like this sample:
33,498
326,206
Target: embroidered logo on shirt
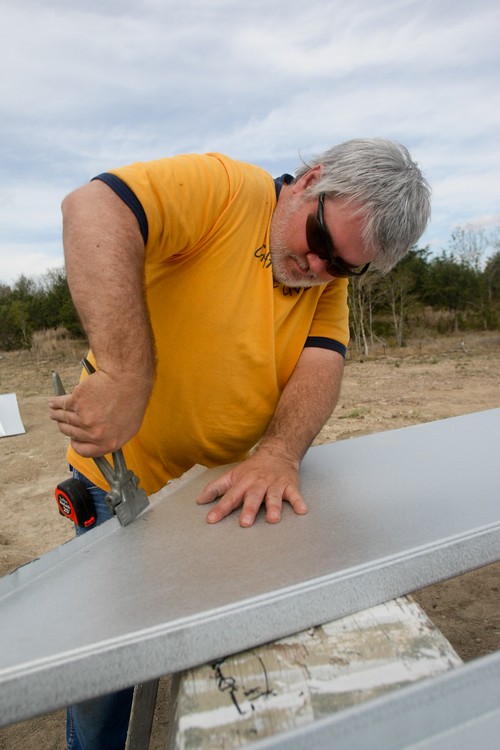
263,255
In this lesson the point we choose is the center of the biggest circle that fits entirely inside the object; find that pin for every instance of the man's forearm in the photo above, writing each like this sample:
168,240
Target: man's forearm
104,254
306,403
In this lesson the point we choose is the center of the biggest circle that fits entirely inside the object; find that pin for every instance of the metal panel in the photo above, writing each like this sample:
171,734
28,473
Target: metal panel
389,513
10,419
459,710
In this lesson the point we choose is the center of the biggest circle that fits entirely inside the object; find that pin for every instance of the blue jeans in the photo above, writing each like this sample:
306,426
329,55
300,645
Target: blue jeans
100,723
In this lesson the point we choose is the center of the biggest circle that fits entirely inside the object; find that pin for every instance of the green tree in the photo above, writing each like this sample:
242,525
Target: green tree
452,285
401,288
362,294
58,307
31,306
492,276
491,280
470,246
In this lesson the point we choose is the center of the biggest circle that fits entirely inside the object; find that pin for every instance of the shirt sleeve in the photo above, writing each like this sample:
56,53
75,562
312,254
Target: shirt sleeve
178,201
128,196
323,342
330,326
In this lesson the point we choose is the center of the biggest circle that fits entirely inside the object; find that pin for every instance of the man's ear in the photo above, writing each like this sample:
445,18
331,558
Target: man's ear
307,180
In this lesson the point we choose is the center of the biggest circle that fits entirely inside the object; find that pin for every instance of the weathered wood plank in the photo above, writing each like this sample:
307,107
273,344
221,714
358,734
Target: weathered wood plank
296,680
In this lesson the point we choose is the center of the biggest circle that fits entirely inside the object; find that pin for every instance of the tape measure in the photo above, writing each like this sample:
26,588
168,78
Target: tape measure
75,502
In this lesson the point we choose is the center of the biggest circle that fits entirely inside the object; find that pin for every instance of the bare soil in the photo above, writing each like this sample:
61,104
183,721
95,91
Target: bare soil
431,379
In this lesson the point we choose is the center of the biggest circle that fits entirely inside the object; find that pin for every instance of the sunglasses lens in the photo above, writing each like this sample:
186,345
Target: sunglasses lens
318,243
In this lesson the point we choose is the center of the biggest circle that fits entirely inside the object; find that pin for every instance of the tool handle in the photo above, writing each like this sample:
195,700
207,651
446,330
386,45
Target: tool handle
101,462
88,366
125,498
57,384
109,473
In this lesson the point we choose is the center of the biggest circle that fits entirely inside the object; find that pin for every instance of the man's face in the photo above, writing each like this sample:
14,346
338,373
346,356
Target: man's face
294,264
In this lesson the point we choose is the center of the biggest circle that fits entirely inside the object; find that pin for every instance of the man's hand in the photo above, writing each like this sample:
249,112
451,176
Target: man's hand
105,255
271,474
264,478
102,413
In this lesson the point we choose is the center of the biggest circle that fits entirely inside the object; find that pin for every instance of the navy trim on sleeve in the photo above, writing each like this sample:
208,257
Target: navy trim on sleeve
322,342
129,198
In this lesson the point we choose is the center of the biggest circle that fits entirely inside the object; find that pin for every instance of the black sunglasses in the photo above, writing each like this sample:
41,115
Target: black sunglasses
320,243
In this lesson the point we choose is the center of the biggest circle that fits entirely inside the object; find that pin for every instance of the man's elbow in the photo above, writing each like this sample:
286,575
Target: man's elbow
71,202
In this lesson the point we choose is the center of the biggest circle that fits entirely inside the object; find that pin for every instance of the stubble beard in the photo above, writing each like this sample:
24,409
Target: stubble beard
284,270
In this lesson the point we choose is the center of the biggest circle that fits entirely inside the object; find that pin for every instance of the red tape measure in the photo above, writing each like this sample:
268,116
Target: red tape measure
75,502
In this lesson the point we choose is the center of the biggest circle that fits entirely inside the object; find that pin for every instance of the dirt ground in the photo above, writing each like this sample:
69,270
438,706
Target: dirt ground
432,379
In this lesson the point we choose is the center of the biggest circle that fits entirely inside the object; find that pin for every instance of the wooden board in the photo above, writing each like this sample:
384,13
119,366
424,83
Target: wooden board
296,680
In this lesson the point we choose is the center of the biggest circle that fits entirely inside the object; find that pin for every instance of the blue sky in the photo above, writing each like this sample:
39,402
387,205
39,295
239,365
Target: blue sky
88,85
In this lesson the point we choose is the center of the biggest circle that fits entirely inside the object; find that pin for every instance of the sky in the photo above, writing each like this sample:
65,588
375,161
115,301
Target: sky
88,85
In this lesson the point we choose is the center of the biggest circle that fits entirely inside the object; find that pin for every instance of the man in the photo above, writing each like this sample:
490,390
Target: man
214,299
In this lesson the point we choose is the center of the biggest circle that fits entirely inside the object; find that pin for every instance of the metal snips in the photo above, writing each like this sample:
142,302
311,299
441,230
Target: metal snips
125,498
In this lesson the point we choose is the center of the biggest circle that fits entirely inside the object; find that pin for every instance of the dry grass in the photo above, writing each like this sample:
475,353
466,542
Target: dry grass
425,343
52,343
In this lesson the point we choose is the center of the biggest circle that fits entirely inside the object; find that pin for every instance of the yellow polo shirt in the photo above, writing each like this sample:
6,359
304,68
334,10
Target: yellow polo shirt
227,336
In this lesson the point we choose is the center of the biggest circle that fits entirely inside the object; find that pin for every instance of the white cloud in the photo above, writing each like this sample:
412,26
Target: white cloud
30,204
88,85
31,259
480,223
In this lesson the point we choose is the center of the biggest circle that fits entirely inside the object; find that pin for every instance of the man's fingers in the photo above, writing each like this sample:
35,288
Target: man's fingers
80,440
251,501
274,504
220,488
85,442
255,482
293,496
215,489
104,412
251,505
230,500
58,408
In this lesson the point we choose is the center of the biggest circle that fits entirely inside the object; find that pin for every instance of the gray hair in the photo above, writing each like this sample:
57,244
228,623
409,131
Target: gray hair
380,178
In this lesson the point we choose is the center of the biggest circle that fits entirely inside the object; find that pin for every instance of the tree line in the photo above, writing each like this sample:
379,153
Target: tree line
32,305
454,291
